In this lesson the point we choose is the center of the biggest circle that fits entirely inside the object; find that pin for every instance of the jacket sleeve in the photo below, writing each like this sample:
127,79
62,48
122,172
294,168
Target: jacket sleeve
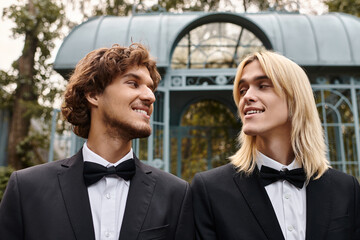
204,221
11,227
357,209
185,226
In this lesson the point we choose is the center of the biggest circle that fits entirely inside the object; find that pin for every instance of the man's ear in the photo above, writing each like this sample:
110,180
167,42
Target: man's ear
92,98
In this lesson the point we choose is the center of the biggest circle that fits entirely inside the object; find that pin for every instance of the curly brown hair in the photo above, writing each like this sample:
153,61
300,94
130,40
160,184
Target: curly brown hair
94,73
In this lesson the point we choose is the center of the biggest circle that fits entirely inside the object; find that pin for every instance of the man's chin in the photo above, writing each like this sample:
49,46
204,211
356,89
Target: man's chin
250,132
141,132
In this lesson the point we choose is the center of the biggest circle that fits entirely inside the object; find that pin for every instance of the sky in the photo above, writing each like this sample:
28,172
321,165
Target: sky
10,48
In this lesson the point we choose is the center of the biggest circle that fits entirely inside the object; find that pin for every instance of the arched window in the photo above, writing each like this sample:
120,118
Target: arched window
214,45
205,138
338,108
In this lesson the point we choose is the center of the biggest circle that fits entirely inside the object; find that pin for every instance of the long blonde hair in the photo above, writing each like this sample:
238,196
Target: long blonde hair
307,138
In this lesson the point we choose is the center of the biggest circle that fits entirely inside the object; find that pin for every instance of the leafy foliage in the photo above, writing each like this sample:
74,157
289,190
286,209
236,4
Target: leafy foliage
188,5
28,85
349,6
5,173
44,22
113,7
33,148
6,97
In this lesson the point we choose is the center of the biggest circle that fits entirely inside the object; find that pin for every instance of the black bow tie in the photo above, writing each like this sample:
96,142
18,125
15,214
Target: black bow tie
296,176
93,172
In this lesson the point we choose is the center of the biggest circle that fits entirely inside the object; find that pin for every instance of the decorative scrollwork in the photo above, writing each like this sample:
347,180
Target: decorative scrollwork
176,81
321,80
191,81
209,80
221,80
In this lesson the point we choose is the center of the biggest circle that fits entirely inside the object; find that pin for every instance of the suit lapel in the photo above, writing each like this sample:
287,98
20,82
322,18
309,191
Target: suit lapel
259,203
140,193
318,207
76,197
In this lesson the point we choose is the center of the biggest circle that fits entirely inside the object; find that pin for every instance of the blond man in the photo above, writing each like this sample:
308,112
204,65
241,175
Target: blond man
279,184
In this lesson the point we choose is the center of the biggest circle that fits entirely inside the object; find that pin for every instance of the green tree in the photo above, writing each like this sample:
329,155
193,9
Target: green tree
208,5
5,173
26,91
261,4
349,6
27,84
112,7
188,5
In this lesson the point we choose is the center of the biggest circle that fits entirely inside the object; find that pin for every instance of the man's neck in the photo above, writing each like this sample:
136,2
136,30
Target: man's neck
279,149
110,149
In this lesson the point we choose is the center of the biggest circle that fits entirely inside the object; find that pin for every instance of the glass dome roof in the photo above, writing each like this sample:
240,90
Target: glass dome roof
326,40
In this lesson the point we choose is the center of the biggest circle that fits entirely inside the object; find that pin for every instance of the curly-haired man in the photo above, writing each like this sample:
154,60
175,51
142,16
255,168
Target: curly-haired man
104,191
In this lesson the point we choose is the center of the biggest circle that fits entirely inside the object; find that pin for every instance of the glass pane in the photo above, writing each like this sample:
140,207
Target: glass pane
334,144
337,166
198,59
194,153
214,45
174,166
353,169
205,138
158,113
180,58
334,105
158,146
349,139
336,111
143,146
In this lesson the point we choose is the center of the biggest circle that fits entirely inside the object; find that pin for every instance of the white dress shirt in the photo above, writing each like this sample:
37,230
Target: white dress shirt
107,198
288,201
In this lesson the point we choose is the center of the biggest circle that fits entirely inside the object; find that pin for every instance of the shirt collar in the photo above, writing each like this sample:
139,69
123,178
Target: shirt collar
90,156
262,159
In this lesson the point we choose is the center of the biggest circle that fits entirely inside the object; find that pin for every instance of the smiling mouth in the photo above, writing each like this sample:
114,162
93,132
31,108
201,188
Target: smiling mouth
253,112
141,111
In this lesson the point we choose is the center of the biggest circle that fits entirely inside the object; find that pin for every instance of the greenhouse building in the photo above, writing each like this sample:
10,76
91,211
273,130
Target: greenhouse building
195,123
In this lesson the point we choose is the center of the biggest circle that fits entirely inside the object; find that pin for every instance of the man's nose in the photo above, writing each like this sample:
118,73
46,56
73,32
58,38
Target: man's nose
250,95
147,94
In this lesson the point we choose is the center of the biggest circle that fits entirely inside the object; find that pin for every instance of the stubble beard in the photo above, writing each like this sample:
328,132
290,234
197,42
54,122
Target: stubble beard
125,130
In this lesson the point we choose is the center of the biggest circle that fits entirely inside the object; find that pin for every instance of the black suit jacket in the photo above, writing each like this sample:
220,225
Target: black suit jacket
50,201
229,205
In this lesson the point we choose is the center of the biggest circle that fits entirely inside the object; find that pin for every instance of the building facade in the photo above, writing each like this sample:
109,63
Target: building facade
195,123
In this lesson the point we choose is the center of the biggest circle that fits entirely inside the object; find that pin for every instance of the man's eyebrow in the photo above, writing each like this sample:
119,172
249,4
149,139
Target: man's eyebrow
137,77
261,77
131,75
